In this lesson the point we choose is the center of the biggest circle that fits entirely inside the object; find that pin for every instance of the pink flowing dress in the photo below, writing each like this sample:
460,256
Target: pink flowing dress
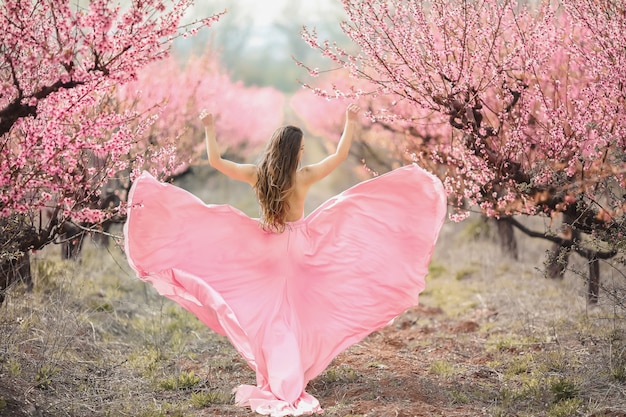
289,302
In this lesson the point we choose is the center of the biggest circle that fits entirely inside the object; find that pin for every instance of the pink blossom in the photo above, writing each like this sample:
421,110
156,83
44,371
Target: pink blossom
62,137
503,100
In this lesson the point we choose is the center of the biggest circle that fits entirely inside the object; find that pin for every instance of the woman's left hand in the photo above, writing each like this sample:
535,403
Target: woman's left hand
352,112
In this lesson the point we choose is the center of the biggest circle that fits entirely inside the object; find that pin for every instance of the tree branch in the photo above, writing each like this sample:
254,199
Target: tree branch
566,243
16,109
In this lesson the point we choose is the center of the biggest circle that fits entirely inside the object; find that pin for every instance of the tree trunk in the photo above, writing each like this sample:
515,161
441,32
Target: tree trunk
569,239
558,258
72,243
507,239
594,280
15,270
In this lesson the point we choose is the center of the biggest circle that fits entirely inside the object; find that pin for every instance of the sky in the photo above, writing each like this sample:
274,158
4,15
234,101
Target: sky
265,12
259,39
268,12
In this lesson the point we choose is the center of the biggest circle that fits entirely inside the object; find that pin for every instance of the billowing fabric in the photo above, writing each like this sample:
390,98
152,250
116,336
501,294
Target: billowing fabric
289,302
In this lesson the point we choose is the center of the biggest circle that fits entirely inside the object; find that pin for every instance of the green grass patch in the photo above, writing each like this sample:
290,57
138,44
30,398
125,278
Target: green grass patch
617,370
441,368
566,408
465,273
555,361
475,229
183,381
15,367
519,365
206,398
340,374
459,397
502,343
43,378
564,389
164,409
147,361
452,296
436,270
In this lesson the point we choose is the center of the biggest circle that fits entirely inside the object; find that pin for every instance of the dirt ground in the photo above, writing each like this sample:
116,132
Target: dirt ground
397,361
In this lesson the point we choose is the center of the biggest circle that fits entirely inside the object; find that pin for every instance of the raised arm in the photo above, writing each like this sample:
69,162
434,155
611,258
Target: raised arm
240,172
315,172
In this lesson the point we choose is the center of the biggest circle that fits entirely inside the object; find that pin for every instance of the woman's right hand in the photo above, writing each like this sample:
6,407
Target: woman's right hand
206,118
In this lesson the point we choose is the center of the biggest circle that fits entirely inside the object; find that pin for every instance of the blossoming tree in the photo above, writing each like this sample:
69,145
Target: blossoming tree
174,91
171,92
59,63
381,145
532,94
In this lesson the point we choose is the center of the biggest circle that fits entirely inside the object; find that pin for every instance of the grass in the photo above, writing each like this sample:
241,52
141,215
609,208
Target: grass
564,390
339,375
204,399
567,408
184,380
442,368
83,333
93,337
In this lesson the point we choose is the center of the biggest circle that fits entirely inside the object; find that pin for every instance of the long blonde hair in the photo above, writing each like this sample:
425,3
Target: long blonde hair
276,176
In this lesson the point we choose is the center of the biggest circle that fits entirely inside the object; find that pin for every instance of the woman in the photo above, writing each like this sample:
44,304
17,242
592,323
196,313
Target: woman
280,186
290,292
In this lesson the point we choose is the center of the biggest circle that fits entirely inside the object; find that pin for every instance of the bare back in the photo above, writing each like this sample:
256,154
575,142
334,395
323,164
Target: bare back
296,199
